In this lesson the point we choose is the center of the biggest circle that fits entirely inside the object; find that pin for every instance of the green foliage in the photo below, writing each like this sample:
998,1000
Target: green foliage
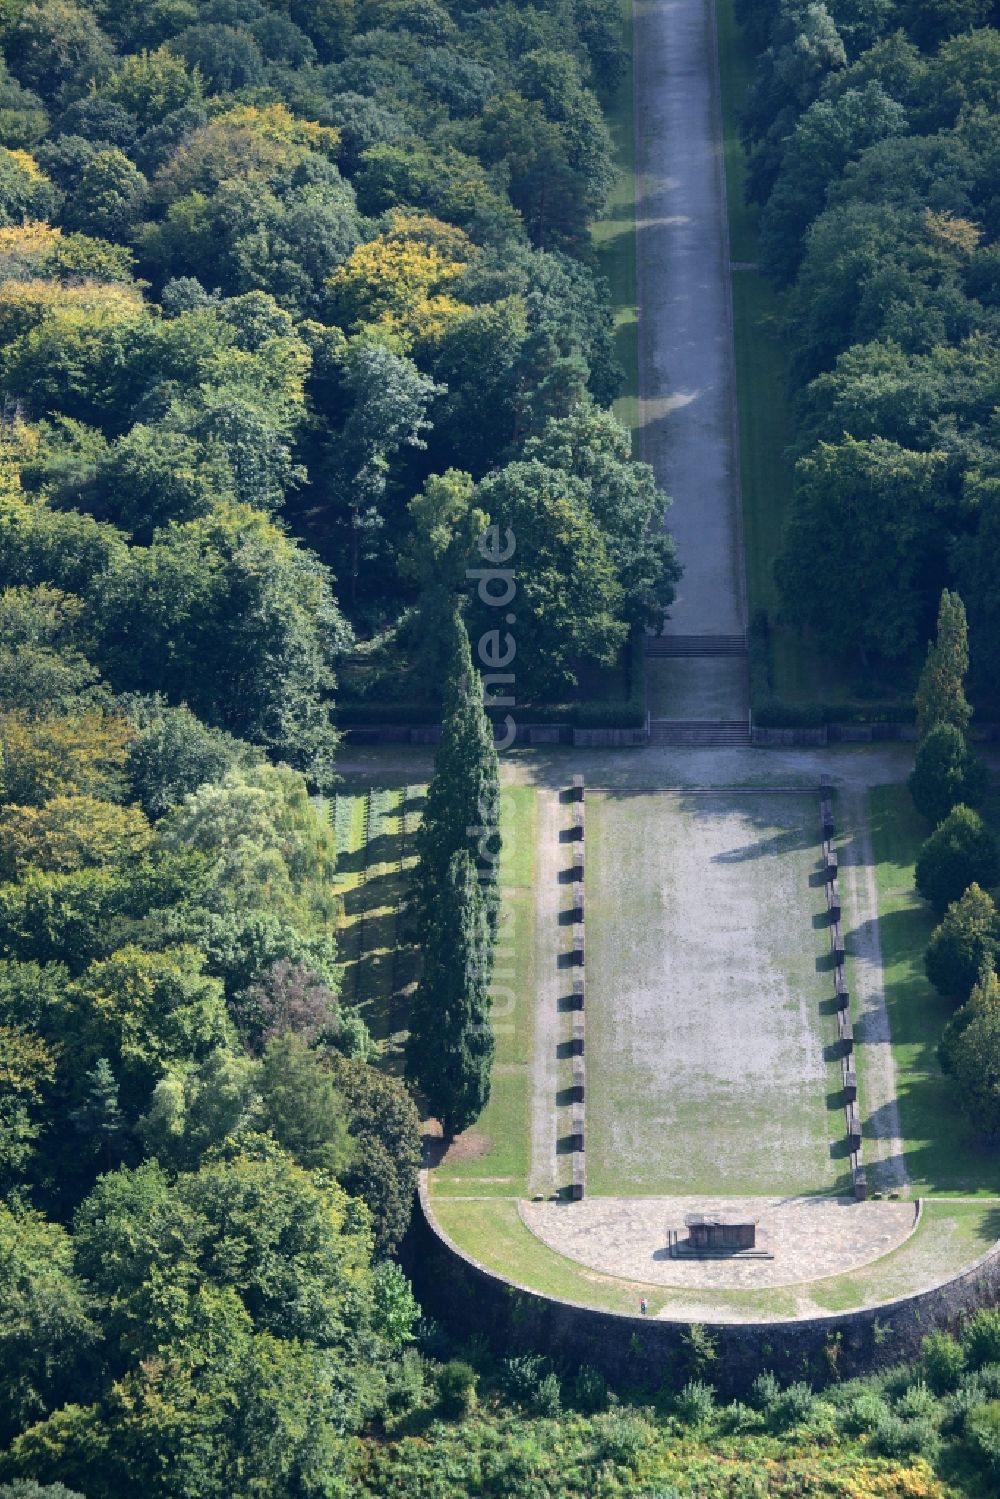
301,1107
940,695
385,1132
456,1383
980,1338
967,938
451,1044
970,1052
943,1360
960,852
983,1430
46,1326
696,1403
946,773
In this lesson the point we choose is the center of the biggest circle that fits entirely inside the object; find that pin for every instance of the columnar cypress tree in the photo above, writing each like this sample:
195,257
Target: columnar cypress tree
940,694
463,800
451,1044
456,894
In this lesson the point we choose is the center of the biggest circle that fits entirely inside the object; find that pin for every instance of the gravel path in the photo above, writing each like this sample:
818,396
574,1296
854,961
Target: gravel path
883,1147
545,1081
686,374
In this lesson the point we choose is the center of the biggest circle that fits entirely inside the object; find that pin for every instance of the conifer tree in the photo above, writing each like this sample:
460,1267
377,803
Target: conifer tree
463,800
940,696
99,1116
451,1043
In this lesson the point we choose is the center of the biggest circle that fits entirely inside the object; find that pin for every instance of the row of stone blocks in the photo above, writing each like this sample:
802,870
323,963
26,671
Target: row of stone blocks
845,1028
578,1182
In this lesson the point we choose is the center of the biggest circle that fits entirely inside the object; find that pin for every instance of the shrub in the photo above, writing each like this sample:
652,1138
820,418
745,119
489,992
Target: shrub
959,853
946,773
918,1400
695,1403
764,1391
866,1412
589,1389
982,1427
981,1338
548,1396
620,1437
700,1349
456,1383
967,937
522,1376
406,1383
792,1406
894,1437
943,1359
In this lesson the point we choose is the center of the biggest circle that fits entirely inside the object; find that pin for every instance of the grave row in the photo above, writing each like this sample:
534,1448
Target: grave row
578,1181
845,1027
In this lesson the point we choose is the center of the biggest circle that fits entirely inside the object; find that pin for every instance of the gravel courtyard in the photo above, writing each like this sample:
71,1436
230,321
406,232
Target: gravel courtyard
709,997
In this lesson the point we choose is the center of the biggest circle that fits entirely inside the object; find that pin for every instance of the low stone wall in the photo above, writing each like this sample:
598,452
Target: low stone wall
643,1352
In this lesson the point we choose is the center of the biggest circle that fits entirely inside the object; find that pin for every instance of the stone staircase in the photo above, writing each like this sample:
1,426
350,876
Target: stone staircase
700,733
696,645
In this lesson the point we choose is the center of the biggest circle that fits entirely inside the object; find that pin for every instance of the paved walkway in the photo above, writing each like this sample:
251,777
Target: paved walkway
809,1237
686,373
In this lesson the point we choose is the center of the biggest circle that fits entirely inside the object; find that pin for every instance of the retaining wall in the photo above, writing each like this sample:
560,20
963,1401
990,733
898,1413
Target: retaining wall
636,1351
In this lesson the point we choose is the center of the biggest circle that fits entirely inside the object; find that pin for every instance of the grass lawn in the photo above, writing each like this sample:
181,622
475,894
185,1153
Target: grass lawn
949,1236
493,1157
709,998
378,965
938,1152
613,236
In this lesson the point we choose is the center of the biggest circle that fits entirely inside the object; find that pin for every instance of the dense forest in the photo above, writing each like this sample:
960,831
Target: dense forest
873,137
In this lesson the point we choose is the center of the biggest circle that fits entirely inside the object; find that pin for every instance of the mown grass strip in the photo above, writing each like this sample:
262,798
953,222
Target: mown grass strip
939,1155
613,236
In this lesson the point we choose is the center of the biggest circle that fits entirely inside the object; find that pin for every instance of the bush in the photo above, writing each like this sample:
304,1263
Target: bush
918,1401
982,1428
696,1403
456,1383
699,1348
967,937
866,1412
764,1391
406,1383
960,853
896,1438
980,1338
620,1437
946,773
589,1389
792,1406
943,1360
522,1376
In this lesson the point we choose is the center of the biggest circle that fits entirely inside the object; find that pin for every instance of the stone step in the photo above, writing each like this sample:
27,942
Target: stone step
708,734
696,645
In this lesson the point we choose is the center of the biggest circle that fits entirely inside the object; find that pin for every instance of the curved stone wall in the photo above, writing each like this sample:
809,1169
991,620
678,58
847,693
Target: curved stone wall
640,1351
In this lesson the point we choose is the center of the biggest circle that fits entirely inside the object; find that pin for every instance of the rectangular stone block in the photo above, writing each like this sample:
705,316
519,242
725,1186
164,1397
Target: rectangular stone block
577,998
577,788
853,1127
840,984
830,861
833,900
850,1085
860,1184
577,953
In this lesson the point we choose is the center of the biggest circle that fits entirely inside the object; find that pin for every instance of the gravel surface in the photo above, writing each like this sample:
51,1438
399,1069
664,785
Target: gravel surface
686,374
807,1238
